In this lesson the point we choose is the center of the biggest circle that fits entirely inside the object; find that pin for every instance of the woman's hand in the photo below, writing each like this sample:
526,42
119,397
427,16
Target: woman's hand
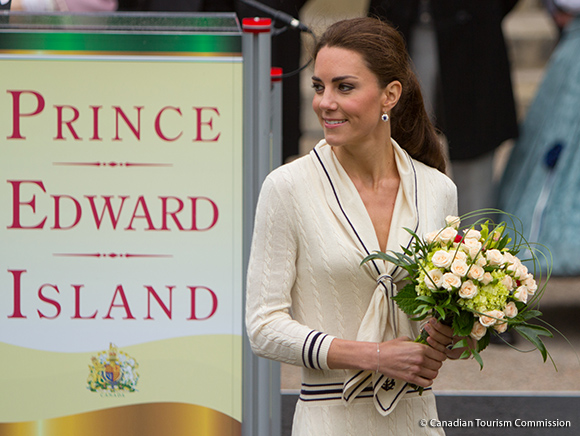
441,337
410,361
456,353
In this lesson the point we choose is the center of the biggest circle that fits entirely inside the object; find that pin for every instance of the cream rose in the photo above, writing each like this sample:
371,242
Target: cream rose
500,327
475,272
508,282
473,247
452,221
433,279
487,278
459,254
494,257
478,331
521,272
431,237
468,290
472,234
531,284
450,281
442,259
481,260
459,267
510,258
513,264
446,235
491,317
521,294
510,309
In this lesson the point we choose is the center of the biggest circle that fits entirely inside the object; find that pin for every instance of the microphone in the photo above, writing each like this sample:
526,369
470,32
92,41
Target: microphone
279,15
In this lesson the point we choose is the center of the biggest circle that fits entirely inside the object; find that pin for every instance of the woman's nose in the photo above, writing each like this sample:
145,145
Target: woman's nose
327,101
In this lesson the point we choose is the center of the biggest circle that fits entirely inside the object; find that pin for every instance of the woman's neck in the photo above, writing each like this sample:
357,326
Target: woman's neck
369,166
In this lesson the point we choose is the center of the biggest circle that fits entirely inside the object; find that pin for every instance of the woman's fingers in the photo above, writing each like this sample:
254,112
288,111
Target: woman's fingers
440,335
410,361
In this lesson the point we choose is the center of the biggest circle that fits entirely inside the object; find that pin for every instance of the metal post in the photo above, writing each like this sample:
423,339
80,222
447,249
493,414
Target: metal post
261,413
276,142
275,161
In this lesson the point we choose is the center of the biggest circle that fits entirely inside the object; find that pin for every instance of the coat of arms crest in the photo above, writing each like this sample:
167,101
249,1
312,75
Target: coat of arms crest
113,371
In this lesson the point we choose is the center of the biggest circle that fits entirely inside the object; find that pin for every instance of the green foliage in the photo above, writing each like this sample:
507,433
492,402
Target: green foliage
532,333
463,323
406,299
421,297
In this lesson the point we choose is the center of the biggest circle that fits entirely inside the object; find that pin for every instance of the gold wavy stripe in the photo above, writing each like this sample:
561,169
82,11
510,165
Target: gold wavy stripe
154,419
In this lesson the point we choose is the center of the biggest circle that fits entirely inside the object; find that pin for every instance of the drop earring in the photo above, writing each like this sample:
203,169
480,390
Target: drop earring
385,117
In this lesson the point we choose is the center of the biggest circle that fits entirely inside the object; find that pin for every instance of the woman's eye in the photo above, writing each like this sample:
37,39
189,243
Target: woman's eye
317,87
345,87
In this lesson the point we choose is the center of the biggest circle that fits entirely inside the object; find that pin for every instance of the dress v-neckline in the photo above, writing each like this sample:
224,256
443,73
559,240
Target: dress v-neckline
376,246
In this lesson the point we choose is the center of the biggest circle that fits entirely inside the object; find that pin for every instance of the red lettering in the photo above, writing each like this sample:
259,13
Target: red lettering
60,122
16,203
125,304
141,202
208,123
17,115
49,301
108,207
214,208
167,310
136,131
77,205
78,315
173,214
194,295
17,276
158,124
96,136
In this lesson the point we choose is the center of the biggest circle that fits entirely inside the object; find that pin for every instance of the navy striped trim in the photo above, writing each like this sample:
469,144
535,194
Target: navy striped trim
393,401
342,209
404,390
386,289
328,391
311,349
358,385
349,221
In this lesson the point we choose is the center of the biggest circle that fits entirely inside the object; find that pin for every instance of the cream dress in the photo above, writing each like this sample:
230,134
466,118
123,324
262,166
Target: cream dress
306,287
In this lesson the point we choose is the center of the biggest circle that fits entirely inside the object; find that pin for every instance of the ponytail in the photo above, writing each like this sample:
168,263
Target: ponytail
412,128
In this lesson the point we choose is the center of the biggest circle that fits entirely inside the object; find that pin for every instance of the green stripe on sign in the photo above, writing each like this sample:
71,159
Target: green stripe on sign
211,44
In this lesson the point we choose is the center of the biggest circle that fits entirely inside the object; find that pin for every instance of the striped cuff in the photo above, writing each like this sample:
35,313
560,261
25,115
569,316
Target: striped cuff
315,350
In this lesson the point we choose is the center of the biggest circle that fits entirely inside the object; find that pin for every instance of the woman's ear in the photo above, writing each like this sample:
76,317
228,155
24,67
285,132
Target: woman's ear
392,94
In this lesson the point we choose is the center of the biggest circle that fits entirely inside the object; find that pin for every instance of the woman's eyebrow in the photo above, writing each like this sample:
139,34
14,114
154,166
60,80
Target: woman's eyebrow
334,79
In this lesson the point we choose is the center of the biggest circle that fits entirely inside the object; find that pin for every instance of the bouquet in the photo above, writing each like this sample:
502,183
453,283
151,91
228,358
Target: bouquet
471,279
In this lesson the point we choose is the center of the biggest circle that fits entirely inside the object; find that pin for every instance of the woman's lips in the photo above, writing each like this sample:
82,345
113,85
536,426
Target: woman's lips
334,123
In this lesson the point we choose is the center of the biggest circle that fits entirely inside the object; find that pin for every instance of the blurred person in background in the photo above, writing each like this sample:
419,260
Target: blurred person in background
541,181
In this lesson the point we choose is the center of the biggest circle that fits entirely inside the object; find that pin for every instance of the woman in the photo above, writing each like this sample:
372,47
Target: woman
541,180
309,301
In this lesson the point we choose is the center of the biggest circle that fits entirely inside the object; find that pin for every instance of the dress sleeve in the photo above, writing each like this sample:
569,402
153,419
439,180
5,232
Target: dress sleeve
272,331
451,198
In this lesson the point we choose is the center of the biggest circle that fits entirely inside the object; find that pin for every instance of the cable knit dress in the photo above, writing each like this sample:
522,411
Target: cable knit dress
306,287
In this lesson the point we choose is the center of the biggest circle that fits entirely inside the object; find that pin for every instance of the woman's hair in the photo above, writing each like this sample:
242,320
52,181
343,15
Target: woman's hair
383,49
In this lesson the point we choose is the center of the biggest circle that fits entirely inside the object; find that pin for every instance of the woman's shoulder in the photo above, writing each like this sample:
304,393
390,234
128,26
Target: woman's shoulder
295,173
290,176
